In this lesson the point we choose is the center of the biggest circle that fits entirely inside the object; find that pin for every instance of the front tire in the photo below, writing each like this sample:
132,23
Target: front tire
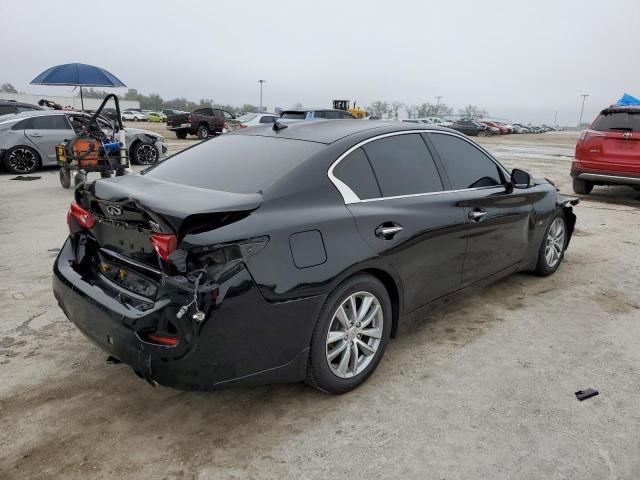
21,159
350,336
144,153
582,187
553,245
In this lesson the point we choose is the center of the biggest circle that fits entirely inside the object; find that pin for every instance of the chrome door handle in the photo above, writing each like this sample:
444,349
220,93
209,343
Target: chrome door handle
477,214
36,134
387,231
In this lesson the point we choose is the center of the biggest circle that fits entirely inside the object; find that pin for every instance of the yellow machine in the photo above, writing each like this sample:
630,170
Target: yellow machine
345,105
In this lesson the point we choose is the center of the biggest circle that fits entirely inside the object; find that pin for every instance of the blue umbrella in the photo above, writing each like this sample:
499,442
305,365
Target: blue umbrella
77,75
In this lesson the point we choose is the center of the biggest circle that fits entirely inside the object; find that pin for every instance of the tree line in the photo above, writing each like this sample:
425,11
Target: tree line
385,109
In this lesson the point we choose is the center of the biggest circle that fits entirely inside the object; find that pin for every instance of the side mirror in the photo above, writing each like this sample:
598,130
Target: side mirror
520,178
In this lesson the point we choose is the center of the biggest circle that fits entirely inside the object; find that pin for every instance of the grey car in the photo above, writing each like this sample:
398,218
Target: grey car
28,140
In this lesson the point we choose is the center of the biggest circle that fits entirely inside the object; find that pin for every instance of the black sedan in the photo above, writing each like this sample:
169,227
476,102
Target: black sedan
471,127
290,253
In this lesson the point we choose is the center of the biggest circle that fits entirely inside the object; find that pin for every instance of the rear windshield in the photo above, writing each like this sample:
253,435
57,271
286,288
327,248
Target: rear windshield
234,163
623,121
294,115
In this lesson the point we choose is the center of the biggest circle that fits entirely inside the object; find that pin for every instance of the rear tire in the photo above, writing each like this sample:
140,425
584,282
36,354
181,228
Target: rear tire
582,187
181,135
203,132
343,334
21,160
553,245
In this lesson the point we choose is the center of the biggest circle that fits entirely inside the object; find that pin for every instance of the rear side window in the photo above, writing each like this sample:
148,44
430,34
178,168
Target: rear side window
204,111
467,166
267,119
6,109
21,125
355,171
49,122
403,165
234,163
623,121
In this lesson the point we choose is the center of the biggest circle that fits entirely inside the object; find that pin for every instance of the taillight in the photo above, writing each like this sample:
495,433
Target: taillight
164,244
80,216
243,125
189,118
587,134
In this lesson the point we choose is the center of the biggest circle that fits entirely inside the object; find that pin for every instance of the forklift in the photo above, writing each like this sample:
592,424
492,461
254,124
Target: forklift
345,105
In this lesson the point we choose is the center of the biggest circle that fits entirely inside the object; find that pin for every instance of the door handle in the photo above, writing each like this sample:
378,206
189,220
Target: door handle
36,134
477,214
387,230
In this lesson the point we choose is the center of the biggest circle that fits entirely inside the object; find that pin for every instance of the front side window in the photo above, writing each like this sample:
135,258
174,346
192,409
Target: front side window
466,165
355,171
403,165
268,119
227,115
48,122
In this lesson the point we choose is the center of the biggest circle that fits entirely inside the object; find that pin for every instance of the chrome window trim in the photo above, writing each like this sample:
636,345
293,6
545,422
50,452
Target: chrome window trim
349,196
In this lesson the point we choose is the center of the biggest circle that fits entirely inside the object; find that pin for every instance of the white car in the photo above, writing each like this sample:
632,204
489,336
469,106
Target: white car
134,116
429,121
251,119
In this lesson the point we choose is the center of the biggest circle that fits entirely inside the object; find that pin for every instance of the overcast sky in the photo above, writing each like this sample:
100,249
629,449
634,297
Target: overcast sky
522,60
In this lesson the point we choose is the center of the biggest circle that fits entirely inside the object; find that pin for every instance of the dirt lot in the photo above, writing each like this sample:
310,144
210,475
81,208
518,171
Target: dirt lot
483,390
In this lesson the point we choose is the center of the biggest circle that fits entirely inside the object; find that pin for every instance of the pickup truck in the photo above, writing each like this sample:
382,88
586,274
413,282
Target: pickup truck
203,122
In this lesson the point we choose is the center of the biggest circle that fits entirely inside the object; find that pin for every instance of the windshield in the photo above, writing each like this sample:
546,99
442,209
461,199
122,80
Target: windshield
247,117
234,163
624,121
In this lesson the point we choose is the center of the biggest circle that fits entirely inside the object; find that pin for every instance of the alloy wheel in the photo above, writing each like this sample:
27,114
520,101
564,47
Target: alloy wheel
146,154
354,334
555,242
23,160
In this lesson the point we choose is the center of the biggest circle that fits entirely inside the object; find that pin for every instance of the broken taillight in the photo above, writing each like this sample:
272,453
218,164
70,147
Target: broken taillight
164,244
79,216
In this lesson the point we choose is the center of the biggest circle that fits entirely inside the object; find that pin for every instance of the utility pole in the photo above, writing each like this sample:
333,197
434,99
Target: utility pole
555,119
261,82
438,105
584,97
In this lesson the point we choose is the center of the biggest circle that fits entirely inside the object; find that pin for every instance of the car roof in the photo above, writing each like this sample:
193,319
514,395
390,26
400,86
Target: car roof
18,104
301,110
330,131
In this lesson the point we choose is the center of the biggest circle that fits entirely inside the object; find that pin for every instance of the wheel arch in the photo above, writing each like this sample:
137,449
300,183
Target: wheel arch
394,294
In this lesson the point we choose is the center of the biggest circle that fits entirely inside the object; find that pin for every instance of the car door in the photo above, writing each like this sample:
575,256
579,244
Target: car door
47,131
404,214
498,218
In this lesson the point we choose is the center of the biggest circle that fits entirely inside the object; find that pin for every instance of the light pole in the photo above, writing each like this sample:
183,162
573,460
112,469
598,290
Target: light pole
584,97
438,105
261,82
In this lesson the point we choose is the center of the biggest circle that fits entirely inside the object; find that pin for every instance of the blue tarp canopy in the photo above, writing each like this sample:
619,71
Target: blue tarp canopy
627,99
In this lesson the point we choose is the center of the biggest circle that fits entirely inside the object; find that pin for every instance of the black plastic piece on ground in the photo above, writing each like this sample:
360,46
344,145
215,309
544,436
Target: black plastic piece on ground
584,394
277,126
25,179
113,360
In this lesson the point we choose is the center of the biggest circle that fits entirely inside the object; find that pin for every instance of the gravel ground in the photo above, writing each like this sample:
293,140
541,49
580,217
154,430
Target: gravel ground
483,389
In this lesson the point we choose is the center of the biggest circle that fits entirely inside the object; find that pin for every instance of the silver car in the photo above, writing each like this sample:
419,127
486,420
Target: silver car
28,140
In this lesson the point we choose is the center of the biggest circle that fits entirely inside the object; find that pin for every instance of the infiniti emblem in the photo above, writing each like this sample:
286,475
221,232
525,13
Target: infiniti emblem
627,135
115,210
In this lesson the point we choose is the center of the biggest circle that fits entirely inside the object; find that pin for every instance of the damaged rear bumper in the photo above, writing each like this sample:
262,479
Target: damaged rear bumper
243,340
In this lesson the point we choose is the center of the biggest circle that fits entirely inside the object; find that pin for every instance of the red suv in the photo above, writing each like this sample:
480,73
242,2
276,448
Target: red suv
608,152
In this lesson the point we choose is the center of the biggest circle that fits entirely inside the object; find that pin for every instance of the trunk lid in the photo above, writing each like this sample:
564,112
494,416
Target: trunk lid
612,142
129,209
178,119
